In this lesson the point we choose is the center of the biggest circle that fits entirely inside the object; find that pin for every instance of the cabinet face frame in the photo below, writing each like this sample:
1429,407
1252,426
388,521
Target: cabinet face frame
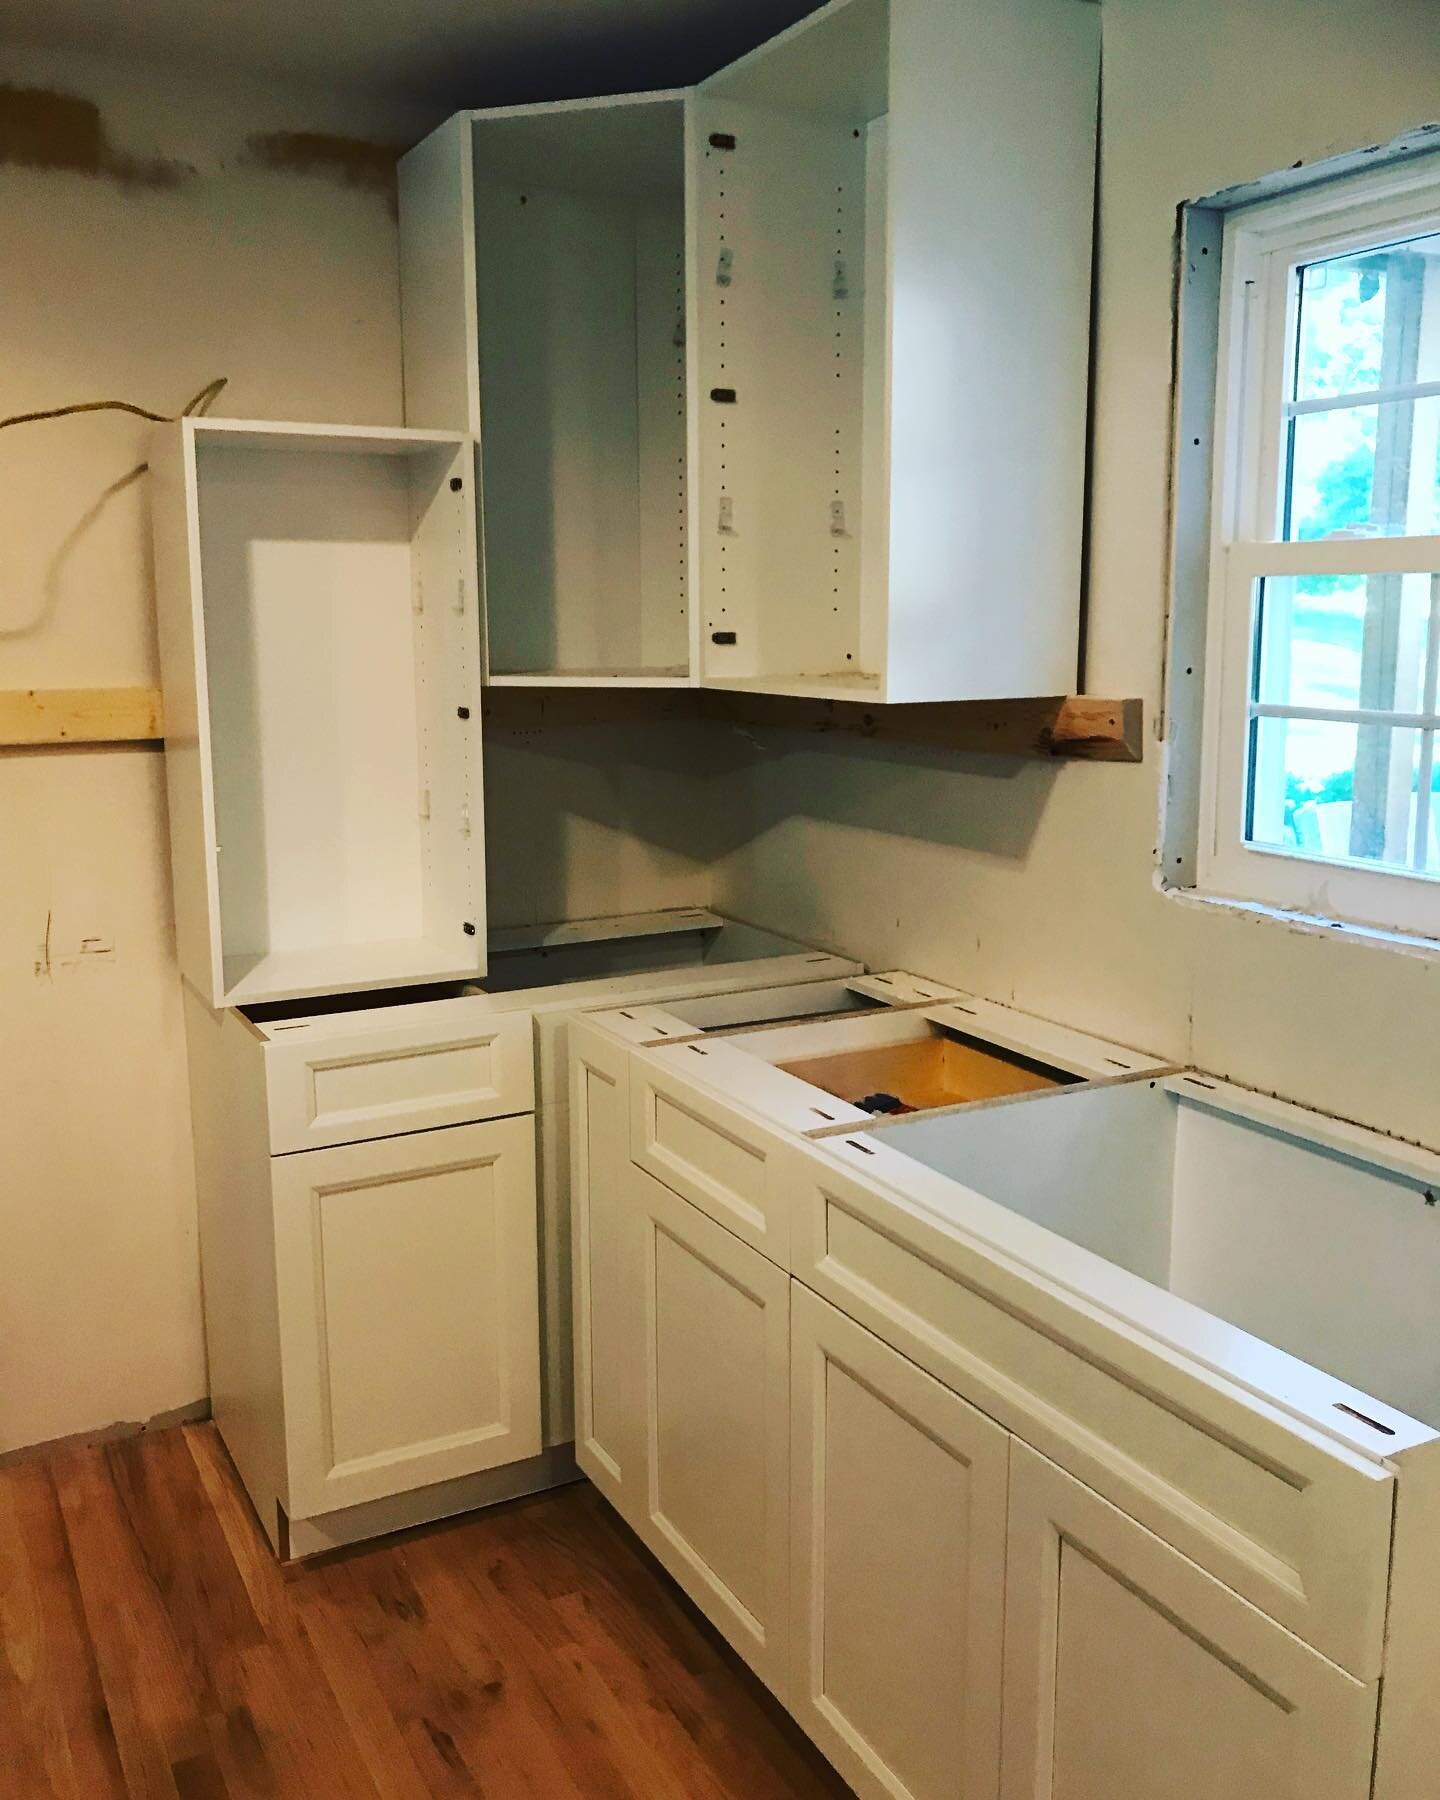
823,1341
506,1425
1321,1724
668,1222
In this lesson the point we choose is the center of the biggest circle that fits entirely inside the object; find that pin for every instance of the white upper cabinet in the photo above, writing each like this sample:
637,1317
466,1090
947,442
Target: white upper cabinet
317,605
543,274
782,381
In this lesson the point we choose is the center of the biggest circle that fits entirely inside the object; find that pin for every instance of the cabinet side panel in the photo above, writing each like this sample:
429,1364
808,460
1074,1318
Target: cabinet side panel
780,286
449,744
437,281
1406,1767
180,624
237,1249
992,155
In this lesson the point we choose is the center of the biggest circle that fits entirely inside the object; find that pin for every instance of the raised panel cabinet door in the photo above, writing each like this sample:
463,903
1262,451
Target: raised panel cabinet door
717,1377
409,1322
897,1566
1132,1674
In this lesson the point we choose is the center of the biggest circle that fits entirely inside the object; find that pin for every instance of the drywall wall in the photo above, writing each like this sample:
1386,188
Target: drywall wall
1034,884
161,230
148,249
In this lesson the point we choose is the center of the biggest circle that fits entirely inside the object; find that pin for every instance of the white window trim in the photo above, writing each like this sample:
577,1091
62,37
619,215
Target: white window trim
1263,244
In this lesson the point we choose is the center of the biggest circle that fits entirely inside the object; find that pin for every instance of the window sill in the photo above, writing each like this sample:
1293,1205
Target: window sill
1312,924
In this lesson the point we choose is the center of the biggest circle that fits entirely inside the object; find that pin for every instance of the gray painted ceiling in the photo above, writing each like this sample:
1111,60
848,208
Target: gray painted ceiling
446,52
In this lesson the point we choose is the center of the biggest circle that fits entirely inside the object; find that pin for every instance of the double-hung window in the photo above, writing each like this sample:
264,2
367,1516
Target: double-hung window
1321,785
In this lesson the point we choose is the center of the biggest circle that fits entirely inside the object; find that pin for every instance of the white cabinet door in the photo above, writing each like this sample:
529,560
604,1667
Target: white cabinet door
898,1566
1130,1674
408,1314
717,1365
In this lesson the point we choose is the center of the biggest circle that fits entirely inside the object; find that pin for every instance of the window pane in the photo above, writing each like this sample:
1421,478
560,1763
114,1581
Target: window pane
1368,321
1339,792
1345,641
1350,306
1367,471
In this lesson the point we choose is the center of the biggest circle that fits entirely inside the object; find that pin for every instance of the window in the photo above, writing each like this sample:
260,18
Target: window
1321,786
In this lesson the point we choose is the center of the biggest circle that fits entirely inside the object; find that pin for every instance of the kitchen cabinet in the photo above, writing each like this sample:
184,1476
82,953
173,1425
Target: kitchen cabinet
1136,1359
318,618
773,376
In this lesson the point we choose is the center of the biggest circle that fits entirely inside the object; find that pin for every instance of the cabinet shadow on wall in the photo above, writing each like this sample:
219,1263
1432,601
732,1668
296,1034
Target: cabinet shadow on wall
591,819
987,804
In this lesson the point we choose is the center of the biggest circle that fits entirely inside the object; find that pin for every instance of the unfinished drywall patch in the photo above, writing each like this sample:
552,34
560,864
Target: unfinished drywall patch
44,129
349,162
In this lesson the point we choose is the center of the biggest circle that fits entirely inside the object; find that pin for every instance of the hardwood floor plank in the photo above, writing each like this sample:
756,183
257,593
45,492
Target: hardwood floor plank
151,1648
156,1718
64,1701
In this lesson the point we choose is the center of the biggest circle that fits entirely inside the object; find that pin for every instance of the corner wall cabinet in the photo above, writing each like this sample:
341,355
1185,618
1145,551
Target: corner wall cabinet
780,381
1074,1506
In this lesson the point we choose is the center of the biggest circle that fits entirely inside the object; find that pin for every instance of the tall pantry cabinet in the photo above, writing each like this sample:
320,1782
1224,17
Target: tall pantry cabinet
779,382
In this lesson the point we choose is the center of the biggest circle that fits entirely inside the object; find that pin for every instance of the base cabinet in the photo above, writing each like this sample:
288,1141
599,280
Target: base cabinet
407,1311
1132,1674
717,1424
898,1566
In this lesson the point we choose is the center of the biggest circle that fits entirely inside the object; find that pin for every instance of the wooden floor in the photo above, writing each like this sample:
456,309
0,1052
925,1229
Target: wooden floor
150,1645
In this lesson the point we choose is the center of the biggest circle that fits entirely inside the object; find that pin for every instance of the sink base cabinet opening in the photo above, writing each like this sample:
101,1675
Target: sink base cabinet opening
1292,1240
318,622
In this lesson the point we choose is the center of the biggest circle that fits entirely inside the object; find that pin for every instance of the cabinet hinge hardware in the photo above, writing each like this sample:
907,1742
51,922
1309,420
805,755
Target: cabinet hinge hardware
724,267
722,140
837,518
723,396
840,285
725,516
722,637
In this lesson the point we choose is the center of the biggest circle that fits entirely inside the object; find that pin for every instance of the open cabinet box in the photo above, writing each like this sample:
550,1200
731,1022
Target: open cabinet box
317,609
1290,1227
773,377
545,308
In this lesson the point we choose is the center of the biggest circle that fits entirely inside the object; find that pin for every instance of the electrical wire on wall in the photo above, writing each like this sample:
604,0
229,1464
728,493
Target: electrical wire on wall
200,404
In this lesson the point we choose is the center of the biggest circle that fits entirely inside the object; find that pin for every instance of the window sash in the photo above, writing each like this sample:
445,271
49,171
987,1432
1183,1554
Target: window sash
1265,247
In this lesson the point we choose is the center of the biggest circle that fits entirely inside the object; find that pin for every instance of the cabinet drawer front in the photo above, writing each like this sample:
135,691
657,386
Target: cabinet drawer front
1299,1526
409,1320
342,1089
712,1154
1129,1671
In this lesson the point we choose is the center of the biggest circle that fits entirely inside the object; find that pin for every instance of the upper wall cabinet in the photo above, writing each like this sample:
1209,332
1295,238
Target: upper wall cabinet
317,606
543,260
876,341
